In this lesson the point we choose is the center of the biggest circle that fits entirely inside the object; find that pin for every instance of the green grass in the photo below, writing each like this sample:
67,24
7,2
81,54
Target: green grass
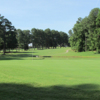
53,77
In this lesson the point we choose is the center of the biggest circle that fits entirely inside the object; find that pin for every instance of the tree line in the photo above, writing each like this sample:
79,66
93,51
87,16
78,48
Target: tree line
11,38
85,35
41,38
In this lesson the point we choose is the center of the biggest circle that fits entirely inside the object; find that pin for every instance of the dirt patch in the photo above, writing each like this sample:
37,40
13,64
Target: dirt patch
67,51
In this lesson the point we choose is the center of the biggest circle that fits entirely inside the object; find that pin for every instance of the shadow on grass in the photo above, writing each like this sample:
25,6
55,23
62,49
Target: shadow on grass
46,56
97,53
20,57
23,52
28,92
18,52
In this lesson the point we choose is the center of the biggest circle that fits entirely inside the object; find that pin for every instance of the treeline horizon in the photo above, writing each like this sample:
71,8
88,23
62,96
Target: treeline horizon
41,38
84,36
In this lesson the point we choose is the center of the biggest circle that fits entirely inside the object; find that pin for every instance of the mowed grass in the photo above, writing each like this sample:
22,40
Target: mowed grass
50,72
53,77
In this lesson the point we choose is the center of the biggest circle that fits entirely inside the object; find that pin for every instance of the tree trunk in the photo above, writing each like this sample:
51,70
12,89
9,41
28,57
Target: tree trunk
4,44
85,44
16,49
9,50
42,47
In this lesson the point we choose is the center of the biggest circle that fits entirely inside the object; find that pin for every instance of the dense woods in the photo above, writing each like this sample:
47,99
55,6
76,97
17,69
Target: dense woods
48,38
85,35
41,38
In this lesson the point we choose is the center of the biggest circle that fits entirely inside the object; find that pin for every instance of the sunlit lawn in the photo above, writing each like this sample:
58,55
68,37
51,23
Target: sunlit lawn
49,78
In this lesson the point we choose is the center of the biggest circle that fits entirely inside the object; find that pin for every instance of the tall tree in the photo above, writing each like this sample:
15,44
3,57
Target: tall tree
97,33
35,37
91,28
48,35
26,38
6,27
11,40
23,37
78,36
70,32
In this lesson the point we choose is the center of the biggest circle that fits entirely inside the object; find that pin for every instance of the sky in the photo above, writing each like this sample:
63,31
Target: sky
60,15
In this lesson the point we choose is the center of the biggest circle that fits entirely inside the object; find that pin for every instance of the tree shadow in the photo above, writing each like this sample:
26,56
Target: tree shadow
7,52
96,53
46,56
20,57
12,91
24,52
20,52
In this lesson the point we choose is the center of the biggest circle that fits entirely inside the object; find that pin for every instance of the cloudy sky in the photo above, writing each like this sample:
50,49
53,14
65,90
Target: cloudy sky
59,15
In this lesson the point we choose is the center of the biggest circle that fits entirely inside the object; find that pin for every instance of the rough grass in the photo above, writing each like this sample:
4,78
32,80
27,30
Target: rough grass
49,78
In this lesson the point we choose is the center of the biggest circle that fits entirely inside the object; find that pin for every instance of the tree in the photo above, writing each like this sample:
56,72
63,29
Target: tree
35,37
26,38
6,27
91,28
1,40
97,33
20,38
48,37
78,36
23,37
70,33
11,40
41,38
63,40
54,38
